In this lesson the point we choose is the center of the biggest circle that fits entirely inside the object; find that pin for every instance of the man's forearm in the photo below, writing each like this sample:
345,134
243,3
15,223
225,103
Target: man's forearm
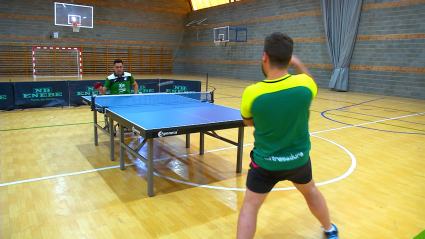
299,66
136,89
301,69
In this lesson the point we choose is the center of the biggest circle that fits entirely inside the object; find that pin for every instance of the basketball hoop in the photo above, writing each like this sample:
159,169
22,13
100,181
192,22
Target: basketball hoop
75,26
218,41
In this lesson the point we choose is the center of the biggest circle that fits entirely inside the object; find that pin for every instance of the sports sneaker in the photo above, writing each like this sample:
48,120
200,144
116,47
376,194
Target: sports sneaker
332,234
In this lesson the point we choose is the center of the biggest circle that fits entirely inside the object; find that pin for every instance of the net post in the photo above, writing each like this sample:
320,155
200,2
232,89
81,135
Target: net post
159,84
207,83
92,103
212,96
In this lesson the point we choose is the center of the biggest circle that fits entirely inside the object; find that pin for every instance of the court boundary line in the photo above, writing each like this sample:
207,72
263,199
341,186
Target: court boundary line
364,97
49,126
348,106
352,112
398,126
359,125
345,107
372,122
105,168
373,106
59,175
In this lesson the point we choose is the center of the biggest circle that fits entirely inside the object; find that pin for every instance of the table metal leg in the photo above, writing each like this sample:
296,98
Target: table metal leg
201,143
122,163
111,139
187,140
240,150
95,128
150,168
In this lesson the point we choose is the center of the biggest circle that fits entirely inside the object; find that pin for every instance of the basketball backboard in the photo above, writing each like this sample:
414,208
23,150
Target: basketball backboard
221,34
66,14
230,34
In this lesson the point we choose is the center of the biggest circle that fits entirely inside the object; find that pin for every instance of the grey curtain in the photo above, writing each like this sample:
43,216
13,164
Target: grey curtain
341,19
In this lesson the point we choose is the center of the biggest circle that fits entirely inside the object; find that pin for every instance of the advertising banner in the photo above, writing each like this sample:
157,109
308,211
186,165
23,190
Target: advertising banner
7,101
41,94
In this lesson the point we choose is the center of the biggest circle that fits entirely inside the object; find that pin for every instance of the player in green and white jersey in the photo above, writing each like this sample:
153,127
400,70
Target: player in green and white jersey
119,82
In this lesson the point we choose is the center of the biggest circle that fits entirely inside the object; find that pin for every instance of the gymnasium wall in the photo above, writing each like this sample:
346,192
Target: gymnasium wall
137,22
301,19
388,59
389,55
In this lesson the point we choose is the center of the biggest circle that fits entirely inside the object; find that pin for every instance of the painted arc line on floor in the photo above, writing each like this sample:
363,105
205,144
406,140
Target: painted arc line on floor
99,169
117,166
346,174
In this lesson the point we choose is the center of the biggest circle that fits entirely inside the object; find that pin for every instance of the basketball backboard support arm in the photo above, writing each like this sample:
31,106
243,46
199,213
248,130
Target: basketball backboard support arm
197,23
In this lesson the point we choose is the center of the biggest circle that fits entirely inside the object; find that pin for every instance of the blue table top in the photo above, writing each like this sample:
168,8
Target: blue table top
168,112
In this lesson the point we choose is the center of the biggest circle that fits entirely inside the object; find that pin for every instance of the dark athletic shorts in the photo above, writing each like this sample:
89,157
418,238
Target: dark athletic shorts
261,180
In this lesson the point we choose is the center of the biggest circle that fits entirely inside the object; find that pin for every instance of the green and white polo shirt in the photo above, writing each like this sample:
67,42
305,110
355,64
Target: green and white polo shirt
119,84
280,110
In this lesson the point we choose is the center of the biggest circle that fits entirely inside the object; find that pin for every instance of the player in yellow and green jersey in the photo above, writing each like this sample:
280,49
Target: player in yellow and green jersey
279,108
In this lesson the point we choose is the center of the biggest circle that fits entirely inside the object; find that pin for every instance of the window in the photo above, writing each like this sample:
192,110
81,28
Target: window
200,4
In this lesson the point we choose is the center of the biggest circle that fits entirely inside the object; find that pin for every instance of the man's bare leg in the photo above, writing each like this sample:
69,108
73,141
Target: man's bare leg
316,202
247,223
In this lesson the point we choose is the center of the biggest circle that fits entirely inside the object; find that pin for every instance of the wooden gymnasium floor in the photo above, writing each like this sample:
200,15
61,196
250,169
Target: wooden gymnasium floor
367,155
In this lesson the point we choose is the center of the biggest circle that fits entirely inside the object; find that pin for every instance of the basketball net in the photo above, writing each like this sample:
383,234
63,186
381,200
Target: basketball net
217,42
75,27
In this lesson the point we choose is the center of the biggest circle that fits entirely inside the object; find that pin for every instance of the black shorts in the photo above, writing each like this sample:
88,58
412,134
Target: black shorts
261,180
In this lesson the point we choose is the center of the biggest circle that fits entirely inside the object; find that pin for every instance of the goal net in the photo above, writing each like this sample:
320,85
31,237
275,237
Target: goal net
56,61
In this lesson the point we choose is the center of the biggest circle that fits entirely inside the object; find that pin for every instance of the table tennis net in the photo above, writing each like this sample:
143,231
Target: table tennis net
153,99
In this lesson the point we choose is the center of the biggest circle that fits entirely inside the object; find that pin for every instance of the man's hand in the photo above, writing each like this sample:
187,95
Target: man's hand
299,66
102,90
135,87
295,61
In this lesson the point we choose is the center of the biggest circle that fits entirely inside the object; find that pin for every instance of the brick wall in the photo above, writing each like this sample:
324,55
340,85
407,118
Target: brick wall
302,20
137,22
389,55
388,59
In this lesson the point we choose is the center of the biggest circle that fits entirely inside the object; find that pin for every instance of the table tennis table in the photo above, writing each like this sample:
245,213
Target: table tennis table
160,115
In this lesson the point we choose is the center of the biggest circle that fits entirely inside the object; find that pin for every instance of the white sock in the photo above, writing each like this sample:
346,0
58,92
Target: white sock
332,229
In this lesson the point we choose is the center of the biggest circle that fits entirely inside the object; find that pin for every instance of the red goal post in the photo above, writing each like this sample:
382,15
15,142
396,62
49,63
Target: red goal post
57,62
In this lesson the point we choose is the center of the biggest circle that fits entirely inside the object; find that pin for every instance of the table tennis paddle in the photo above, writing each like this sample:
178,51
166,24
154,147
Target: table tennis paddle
97,85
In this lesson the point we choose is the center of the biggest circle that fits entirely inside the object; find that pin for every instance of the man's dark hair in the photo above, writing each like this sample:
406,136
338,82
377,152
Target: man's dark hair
118,61
278,47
